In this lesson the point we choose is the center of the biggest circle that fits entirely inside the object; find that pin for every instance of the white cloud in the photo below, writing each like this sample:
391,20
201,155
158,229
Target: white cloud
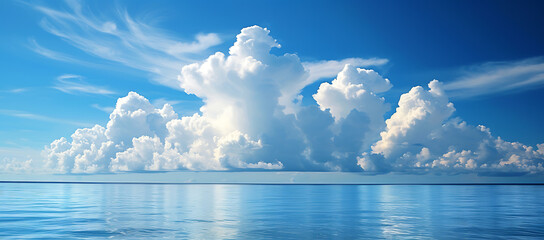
422,137
498,77
139,137
134,116
74,84
140,157
419,113
243,88
319,70
88,151
354,88
95,149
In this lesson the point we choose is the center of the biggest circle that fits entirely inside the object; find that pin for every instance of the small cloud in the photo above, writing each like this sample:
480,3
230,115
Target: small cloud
15,90
103,109
18,90
74,84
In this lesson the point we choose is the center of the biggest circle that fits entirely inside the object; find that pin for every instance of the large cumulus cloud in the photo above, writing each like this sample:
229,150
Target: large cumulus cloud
421,136
252,119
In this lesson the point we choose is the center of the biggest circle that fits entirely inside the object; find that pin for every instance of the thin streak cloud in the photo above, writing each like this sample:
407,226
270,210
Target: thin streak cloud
18,90
159,102
37,48
103,108
15,90
32,116
498,77
74,84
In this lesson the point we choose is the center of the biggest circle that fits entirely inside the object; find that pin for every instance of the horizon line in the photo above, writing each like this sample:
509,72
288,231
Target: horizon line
257,183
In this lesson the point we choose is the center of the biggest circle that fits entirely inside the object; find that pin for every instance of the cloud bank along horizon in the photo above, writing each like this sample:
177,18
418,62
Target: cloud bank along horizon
252,119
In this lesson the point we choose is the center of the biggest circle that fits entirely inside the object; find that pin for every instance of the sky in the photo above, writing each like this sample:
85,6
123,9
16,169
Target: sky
370,90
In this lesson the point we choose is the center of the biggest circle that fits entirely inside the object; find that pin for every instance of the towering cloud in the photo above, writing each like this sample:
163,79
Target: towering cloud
356,89
419,113
252,120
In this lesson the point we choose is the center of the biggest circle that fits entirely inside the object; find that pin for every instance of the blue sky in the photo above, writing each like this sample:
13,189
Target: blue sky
62,74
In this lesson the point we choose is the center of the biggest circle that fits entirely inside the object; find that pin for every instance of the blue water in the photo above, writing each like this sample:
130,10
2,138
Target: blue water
144,211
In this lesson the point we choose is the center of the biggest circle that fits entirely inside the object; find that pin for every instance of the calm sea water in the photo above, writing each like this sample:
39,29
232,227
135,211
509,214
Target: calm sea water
144,211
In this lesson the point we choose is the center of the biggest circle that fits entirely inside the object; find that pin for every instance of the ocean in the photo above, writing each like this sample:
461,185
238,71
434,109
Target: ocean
223,211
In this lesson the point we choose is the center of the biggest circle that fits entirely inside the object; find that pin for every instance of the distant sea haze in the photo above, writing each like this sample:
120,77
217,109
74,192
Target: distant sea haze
228,211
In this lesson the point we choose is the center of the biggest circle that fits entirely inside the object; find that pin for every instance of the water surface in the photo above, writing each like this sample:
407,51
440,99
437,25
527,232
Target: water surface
192,211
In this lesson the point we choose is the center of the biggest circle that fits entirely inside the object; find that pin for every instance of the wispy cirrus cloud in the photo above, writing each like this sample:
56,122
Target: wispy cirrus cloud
15,90
74,84
38,117
498,77
122,39
37,48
